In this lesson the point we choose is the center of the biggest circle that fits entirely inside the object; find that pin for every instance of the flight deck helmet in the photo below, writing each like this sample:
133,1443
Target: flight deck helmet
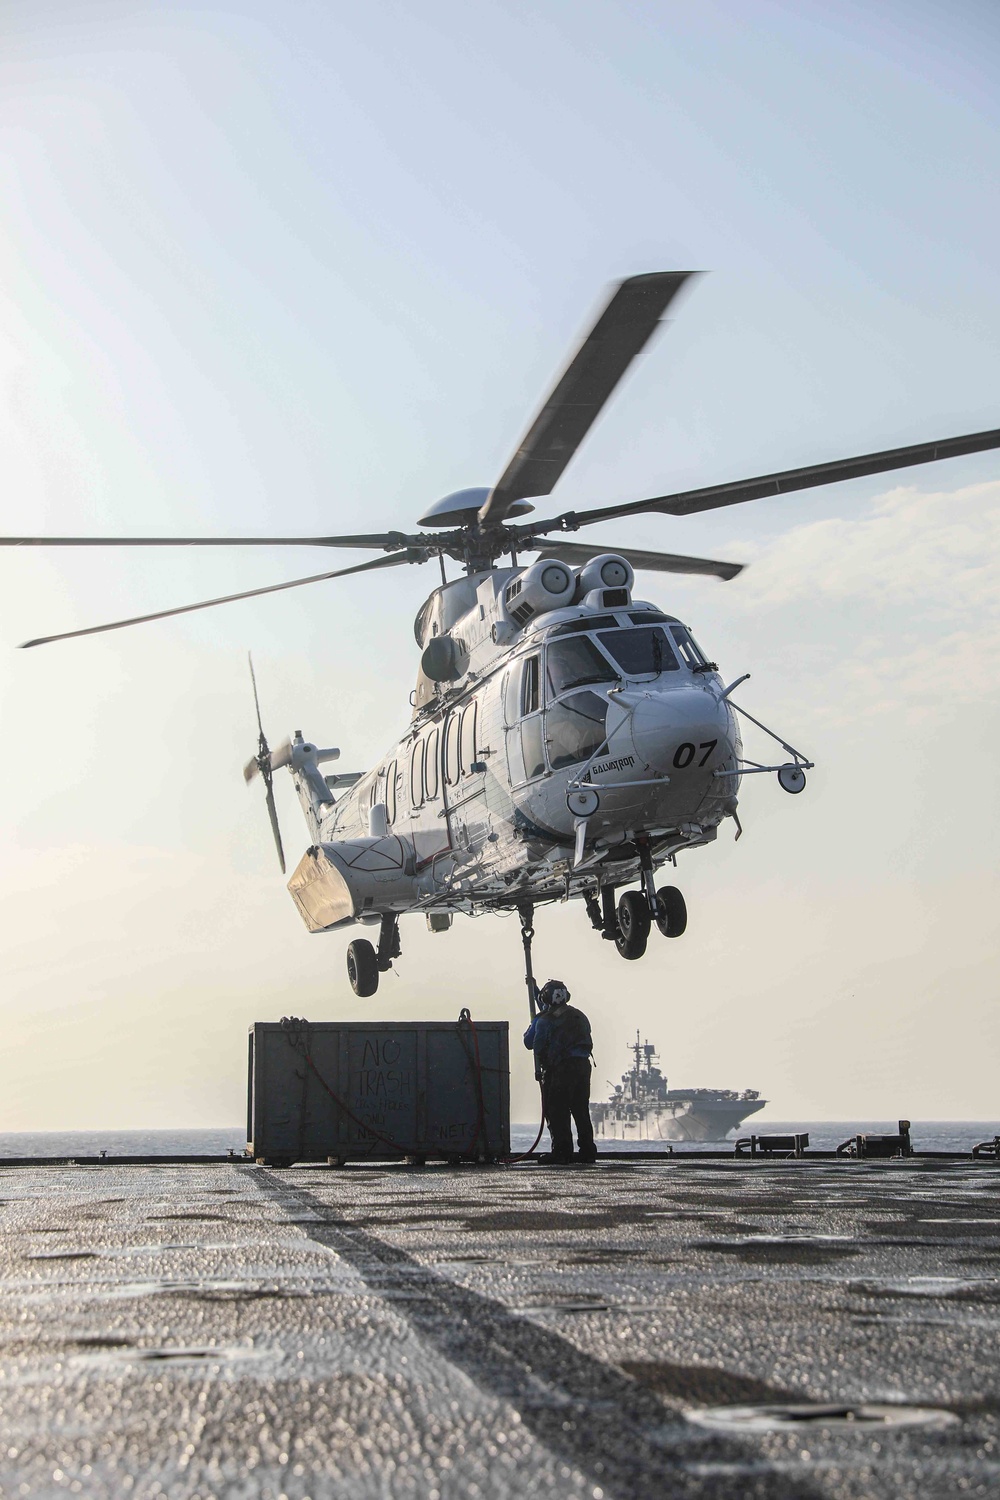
553,994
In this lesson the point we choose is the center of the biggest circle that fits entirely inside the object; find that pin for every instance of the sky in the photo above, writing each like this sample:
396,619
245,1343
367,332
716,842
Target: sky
304,268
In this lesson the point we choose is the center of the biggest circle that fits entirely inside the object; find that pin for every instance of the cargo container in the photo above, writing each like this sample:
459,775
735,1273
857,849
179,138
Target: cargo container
347,1090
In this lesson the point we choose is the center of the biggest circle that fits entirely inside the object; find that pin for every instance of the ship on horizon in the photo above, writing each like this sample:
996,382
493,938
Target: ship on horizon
642,1108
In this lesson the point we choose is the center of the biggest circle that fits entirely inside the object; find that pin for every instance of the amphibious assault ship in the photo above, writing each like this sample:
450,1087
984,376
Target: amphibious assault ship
642,1108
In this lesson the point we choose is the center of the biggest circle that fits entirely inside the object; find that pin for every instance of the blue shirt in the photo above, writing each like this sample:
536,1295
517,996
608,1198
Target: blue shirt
556,1035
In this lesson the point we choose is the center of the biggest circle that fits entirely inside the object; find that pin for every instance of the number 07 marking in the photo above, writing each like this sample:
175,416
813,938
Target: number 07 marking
685,754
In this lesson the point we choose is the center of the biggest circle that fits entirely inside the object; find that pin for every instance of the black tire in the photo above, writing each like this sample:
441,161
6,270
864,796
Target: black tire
362,967
673,918
633,925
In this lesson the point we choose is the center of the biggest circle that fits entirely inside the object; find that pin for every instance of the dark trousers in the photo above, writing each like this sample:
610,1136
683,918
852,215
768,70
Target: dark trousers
567,1093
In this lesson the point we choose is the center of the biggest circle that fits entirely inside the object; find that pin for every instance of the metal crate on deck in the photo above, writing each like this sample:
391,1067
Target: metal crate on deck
373,1090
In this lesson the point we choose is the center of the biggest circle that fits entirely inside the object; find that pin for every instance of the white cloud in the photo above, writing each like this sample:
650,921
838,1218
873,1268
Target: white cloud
906,601
940,551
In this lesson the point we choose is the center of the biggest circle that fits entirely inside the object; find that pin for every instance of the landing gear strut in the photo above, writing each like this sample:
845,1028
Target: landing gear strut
365,964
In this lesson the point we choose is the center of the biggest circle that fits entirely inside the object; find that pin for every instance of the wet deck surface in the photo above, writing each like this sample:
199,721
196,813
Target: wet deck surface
235,1331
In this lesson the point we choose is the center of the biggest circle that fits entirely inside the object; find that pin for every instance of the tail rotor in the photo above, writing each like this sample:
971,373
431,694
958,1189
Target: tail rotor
264,764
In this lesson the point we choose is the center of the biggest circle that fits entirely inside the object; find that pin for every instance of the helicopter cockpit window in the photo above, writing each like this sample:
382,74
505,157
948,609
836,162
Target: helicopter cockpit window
572,663
575,728
589,622
690,652
641,651
646,616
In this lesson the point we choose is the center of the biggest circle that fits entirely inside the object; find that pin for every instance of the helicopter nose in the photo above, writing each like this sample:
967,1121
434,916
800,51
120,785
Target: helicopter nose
683,729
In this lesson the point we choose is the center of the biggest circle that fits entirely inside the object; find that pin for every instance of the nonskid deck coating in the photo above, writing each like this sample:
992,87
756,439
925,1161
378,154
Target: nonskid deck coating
229,1330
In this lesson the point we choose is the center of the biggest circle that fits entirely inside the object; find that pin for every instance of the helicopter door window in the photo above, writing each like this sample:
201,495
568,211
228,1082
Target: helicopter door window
431,767
512,695
470,719
640,652
532,747
574,662
451,771
689,651
417,773
575,728
532,743
530,695
390,793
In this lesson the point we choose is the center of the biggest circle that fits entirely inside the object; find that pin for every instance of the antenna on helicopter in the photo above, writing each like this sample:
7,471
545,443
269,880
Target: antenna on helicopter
265,764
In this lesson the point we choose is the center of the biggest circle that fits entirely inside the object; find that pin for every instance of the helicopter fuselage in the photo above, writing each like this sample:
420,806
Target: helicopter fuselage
567,753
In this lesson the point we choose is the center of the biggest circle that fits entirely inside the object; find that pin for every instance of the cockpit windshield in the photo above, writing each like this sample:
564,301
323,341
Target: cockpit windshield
689,649
588,622
640,651
575,662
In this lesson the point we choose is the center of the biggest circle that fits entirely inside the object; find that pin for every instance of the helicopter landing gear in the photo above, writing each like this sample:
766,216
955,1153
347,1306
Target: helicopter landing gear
362,967
365,964
629,926
633,925
602,913
672,917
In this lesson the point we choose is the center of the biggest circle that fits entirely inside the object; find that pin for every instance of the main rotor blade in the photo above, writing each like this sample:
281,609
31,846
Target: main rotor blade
687,502
623,328
412,555
387,539
654,562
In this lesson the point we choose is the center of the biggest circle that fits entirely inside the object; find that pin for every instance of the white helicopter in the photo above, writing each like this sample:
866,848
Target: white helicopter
567,739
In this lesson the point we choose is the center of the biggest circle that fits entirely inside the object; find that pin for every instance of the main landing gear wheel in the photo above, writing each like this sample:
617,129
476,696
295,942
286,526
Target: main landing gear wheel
633,925
362,967
673,916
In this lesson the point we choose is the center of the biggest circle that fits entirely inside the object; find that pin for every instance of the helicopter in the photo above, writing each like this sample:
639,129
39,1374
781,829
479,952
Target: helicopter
567,739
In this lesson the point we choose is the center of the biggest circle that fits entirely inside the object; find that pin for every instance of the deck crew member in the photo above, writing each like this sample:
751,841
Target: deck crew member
562,1043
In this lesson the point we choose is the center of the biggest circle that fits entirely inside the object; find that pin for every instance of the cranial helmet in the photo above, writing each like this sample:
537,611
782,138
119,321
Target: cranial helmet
552,994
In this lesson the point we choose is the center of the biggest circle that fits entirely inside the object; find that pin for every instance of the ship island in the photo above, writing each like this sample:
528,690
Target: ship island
642,1108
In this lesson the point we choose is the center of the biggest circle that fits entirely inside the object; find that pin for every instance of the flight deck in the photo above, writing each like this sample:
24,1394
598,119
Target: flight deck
724,1327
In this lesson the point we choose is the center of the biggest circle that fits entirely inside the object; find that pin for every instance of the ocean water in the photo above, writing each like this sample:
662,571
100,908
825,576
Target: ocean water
824,1135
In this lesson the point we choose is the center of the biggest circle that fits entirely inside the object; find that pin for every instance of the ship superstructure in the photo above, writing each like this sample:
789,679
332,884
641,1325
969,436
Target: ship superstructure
642,1108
